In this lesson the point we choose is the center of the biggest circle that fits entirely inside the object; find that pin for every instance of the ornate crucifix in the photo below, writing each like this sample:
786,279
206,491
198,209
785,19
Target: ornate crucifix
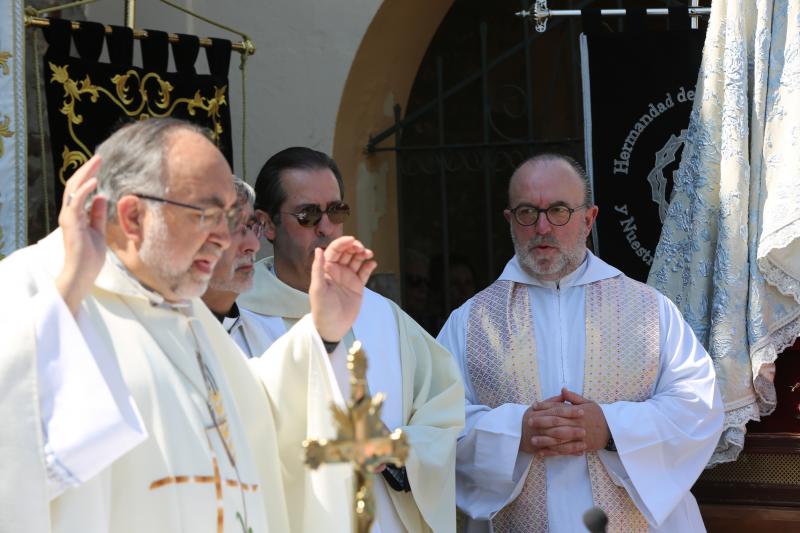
361,439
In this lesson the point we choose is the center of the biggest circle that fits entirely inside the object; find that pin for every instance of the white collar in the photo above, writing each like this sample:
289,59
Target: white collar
592,269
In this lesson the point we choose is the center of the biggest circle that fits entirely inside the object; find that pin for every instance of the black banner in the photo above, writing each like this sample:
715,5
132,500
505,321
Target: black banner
641,86
88,100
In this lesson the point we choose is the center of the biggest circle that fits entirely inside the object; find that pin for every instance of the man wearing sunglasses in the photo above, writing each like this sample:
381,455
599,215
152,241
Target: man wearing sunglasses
299,197
125,405
233,274
583,387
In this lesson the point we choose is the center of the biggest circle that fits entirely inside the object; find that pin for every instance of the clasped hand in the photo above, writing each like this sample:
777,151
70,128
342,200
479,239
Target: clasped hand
566,424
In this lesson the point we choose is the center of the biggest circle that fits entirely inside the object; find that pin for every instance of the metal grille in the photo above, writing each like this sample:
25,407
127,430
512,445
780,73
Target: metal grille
489,93
768,469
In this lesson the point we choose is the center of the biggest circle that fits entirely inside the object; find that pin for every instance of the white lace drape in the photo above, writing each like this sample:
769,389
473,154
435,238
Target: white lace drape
729,254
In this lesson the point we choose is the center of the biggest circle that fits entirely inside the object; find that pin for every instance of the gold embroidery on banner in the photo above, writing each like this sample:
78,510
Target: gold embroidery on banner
126,87
5,131
70,158
4,57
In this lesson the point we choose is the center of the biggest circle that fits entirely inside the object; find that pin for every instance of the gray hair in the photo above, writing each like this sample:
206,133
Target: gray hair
245,194
133,159
576,167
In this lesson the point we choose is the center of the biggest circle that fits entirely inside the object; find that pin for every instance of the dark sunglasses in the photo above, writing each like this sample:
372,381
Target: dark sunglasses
310,215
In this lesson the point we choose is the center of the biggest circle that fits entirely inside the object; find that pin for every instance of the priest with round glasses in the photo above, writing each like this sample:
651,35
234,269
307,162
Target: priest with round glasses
583,387
300,201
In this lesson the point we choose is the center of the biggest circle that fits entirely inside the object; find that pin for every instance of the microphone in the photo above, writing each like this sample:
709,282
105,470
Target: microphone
595,520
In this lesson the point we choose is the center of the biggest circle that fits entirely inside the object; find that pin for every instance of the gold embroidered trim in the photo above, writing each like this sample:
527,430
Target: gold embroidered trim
216,479
5,129
128,87
4,57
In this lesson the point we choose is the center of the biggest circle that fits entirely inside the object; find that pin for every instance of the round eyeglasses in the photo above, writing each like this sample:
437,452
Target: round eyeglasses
557,215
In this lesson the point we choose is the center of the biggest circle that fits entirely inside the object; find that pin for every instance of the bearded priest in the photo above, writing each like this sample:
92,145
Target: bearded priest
126,406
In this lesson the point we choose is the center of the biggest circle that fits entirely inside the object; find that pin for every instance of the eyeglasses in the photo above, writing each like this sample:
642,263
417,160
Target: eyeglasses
557,215
310,215
210,217
253,225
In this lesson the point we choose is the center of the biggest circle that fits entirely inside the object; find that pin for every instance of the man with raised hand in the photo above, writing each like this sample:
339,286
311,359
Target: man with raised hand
299,198
126,406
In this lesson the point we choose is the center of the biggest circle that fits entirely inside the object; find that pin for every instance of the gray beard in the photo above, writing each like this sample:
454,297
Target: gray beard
563,264
232,284
154,253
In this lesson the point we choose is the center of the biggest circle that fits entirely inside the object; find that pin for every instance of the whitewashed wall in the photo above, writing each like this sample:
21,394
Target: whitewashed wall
295,79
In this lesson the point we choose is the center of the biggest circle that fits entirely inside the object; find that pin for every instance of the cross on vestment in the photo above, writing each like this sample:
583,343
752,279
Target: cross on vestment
362,439
218,482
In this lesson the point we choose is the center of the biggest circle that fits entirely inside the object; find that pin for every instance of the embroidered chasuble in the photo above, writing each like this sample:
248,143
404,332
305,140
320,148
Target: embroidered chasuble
209,461
501,359
424,399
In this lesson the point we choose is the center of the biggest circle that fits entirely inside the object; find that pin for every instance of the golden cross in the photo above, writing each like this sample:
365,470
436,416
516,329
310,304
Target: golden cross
362,439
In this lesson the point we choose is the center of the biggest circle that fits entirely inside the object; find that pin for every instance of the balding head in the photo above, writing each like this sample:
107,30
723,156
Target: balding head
564,161
549,215
134,158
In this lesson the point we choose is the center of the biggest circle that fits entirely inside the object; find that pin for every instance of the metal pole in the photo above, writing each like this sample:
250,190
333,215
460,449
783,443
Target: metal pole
243,47
548,13
541,14
487,154
130,13
401,202
445,215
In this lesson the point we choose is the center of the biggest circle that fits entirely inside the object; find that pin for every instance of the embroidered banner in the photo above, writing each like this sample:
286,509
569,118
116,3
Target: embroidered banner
13,150
87,100
638,91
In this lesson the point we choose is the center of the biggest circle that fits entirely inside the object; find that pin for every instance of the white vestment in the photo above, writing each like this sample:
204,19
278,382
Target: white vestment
422,397
114,410
663,443
254,333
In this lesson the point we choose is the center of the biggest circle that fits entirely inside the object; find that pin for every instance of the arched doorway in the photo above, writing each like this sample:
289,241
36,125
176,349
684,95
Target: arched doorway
489,93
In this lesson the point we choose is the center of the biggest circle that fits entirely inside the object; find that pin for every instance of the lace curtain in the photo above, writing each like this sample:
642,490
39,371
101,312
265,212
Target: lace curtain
729,254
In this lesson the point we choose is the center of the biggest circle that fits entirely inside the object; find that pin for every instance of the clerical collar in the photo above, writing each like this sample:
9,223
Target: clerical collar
571,278
592,269
233,312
